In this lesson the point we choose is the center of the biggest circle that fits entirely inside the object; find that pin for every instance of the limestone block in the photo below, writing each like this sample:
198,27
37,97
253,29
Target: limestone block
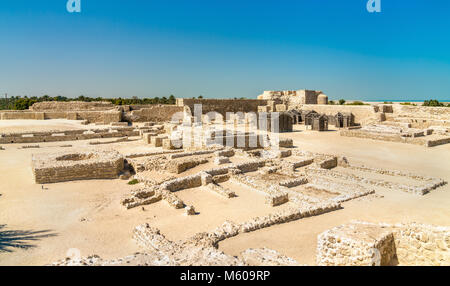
356,244
266,257
225,153
72,116
190,210
281,108
158,140
286,143
147,137
328,163
263,108
171,144
206,178
277,199
222,160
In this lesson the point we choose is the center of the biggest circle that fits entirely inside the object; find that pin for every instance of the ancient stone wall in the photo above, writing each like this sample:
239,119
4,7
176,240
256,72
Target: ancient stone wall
423,245
71,106
291,97
363,114
21,115
428,141
105,117
439,113
223,106
155,113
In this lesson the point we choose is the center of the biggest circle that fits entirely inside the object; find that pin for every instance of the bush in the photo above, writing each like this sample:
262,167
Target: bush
432,103
133,182
356,103
341,101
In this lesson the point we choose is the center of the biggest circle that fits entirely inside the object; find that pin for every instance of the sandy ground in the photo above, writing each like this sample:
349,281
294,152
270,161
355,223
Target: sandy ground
11,126
298,239
39,226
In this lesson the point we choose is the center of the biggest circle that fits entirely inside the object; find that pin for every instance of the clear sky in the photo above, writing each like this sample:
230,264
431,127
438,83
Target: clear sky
226,48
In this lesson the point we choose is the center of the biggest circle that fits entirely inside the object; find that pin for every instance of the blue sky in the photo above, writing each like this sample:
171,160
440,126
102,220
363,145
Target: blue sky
226,49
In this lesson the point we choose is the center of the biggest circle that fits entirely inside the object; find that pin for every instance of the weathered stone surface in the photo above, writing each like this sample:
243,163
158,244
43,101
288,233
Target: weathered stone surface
360,243
69,166
266,257
221,160
190,210
356,244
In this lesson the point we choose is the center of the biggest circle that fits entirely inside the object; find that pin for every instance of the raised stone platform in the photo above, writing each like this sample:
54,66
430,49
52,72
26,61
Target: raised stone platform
70,166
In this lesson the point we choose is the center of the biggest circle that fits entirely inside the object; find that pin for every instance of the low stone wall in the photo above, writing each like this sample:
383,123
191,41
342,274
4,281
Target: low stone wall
183,183
70,166
67,135
266,257
19,115
71,106
421,188
105,117
437,142
156,113
392,137
178,166
221,190
438,113
184,252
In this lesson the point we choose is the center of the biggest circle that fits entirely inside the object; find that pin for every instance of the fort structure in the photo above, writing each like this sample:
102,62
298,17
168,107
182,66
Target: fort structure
190,182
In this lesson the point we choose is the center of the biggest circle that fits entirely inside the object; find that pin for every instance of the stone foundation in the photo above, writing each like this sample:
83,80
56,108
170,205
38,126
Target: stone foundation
70,166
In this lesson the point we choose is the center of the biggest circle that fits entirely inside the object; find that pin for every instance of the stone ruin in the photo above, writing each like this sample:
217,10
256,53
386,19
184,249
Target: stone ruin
320,123
70,166
295,97
302,179
368,244
354,244
304,183
68,135
402,133
198,250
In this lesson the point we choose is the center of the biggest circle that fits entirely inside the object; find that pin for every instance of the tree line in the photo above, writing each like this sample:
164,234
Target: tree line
23,103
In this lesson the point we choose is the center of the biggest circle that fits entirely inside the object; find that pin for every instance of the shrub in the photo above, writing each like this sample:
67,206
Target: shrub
356,103
133,182
432,103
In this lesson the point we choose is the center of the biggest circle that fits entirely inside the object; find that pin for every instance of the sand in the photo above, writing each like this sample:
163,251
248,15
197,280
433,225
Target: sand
87,215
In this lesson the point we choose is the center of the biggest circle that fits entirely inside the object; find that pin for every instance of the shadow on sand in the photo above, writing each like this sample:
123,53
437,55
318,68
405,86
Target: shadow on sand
10,239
